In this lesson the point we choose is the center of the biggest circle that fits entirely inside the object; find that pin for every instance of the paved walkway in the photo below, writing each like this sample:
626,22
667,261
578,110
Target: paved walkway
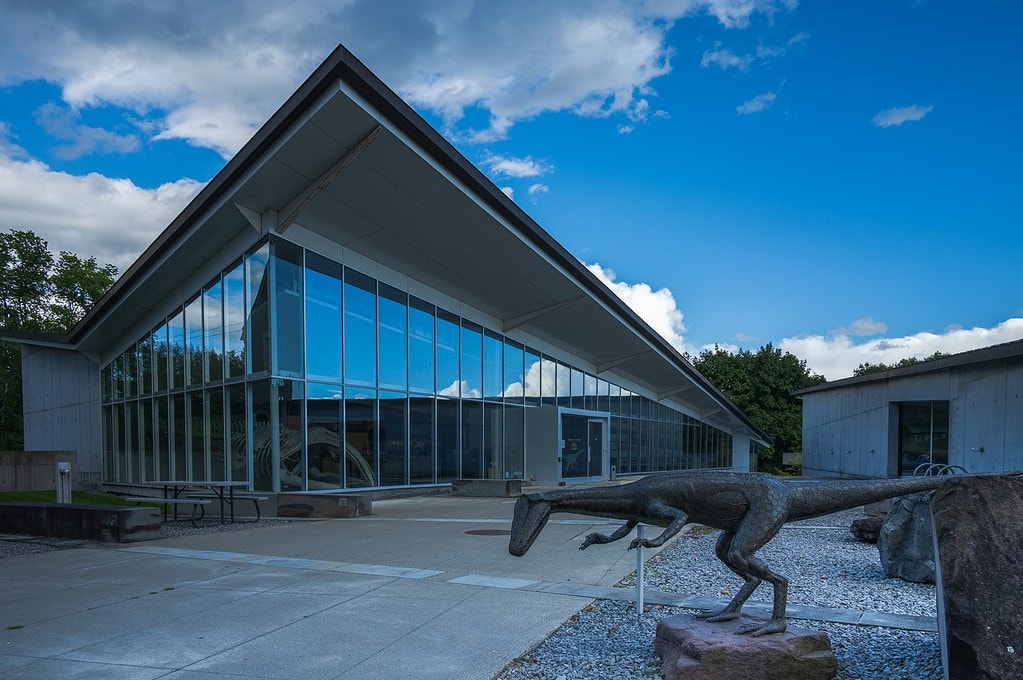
421,589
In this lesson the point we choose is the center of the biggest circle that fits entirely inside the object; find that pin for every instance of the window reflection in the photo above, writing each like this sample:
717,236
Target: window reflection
393,328
193,343
324,407
288,322
447,354
393,439
472,360
290,400
257,326
421,440
360,437
420,347
493,366
213,329
234,322
360,328
514,380
447,440
216,429
472,439
323,318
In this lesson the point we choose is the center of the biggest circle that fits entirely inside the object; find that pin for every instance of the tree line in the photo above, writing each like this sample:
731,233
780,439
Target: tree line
39,293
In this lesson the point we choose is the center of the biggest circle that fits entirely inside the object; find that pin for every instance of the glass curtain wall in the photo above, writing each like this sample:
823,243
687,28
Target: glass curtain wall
293,372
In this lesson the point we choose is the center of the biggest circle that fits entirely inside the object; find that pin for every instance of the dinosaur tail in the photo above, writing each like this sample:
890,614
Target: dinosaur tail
813,499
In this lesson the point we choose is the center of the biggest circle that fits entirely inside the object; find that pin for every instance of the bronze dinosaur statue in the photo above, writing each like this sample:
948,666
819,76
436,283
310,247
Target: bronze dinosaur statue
749,508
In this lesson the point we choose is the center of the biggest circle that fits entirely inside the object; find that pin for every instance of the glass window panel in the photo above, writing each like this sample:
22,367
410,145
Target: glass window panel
447,354
472,439
109,453
493,366
493,441
360,437
291,421
146,366
287,312
237,433
421,440
514,442
257,322
213,328
564,386
131,444
161,355
324,408
197,436
393,439
393,310
514,379
131,372
147,433
323,318
261,433
578,382
420,346
179,435
360,304
104,380
447,439
532,377
549,381
234,322
590,391
193,343
162,451
215,429
614,443
603,400
472,360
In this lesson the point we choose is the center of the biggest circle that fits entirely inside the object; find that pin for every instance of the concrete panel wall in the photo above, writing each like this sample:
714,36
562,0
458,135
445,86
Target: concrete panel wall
542,445
61,397
31,470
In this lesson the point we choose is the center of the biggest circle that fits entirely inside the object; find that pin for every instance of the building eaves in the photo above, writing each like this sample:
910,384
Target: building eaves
57,340
1001,352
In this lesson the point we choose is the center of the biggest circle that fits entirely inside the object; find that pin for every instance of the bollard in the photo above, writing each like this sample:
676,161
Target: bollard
639,572
62,475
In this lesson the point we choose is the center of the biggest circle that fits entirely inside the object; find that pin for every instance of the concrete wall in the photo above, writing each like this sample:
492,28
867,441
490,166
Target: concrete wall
32,470
542,445
61,405
852,431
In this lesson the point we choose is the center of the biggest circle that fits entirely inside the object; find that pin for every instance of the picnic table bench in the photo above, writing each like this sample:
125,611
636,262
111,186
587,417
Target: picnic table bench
198,511
210,495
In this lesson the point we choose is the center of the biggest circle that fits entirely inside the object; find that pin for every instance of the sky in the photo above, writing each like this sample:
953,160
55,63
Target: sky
841,179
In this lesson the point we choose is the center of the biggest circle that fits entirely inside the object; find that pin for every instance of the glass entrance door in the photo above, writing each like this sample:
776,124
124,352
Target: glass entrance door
582,447
923,435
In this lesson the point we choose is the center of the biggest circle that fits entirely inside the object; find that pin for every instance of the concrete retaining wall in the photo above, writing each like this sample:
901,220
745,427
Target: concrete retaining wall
107,523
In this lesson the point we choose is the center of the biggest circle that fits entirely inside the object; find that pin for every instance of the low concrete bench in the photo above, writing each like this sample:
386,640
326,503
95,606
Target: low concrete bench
499,488
198,511
323,505
107,523
255,498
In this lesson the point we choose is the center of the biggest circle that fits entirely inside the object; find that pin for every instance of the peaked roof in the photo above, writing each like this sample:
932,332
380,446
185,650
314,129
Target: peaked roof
1002,352
408,200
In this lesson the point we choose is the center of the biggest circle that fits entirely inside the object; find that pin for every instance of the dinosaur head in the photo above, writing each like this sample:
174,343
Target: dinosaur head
531,514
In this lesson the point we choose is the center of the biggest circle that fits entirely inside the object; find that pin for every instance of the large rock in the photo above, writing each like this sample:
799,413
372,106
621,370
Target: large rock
692,649
905,543
868,527
979,549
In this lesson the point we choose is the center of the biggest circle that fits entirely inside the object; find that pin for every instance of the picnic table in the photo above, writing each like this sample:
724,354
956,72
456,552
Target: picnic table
220,490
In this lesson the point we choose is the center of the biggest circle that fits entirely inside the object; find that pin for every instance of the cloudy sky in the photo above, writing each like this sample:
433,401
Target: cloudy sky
842,179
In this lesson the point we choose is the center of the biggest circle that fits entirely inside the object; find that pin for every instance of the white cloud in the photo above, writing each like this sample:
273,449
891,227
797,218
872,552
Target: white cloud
501,166
536,190
83,139
112,219
836,357
895,117
865,326
725,59
210,73
657,307
757,104
508,191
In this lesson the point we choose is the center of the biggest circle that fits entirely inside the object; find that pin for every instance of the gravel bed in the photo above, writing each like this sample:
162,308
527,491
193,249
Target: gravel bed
826,567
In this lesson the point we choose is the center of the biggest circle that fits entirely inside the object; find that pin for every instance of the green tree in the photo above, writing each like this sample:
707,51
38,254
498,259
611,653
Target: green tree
38,294
761,383
866,367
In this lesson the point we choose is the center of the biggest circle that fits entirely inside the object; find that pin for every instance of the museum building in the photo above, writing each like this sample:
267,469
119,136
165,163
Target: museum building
350,303
961,410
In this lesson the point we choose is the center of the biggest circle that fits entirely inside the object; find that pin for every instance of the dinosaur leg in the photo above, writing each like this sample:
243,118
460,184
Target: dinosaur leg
619,533
732,609
781,585
678,520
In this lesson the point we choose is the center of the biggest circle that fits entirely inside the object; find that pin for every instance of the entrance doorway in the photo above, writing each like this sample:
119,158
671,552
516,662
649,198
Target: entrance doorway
583,448
923,435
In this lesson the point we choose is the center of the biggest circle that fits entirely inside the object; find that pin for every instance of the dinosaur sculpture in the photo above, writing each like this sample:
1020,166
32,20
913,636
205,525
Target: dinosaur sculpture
749,508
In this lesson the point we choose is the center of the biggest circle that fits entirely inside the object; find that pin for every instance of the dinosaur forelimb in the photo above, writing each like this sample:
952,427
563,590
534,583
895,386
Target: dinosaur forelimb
619,533
656,542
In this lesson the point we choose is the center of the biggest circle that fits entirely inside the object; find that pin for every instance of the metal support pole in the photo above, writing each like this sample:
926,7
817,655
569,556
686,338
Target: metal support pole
639,571
62,475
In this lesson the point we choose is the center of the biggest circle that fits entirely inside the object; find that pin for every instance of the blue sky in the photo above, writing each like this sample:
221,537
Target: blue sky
840,178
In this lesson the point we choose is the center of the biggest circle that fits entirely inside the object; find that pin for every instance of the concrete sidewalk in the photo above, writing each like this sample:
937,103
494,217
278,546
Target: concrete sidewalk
422,588
406,592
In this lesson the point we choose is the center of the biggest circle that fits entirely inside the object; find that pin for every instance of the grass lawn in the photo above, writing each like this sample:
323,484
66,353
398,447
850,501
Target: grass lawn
50,496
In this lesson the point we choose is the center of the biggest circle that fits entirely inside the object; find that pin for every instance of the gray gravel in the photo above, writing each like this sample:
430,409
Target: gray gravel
826,567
